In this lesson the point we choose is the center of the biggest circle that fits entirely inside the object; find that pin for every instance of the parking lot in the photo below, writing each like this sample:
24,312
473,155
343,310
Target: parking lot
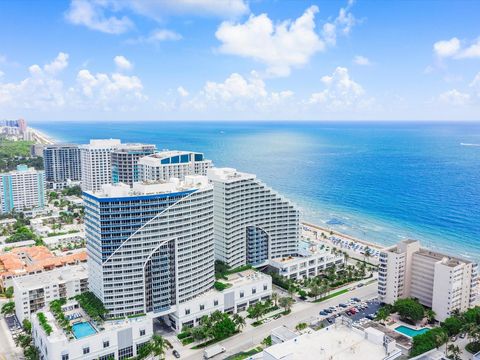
363,309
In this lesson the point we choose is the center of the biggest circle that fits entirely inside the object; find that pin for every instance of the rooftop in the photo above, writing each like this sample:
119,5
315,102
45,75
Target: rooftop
246,276
62,275
191,182
333,342
228,174
24,260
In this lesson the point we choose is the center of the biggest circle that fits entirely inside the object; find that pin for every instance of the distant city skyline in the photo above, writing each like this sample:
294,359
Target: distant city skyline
239,60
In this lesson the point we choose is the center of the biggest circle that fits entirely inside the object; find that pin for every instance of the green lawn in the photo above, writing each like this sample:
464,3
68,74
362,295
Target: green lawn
245,354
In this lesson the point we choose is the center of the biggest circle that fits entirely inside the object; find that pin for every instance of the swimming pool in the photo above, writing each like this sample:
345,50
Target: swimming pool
405,330
82,329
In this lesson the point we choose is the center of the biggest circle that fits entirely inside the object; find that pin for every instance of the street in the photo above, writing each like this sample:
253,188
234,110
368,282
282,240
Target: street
301,312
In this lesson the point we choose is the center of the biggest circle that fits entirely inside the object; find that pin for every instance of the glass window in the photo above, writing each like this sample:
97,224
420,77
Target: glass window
86,350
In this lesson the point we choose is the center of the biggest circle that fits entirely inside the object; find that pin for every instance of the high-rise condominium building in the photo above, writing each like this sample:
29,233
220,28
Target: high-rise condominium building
62,165
253,223
441,282
125,162
150,247
22,189
95,160
167,164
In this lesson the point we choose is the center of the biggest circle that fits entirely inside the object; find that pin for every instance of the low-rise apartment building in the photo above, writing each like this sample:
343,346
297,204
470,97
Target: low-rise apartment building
245,289
312,260
33,292
439,281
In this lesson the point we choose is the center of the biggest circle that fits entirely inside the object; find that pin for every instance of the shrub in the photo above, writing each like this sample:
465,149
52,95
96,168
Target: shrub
44,323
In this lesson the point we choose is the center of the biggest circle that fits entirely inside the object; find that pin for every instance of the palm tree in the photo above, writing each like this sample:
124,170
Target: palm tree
239,321
275,298
158,345
430,315
286,303
8,308
454,350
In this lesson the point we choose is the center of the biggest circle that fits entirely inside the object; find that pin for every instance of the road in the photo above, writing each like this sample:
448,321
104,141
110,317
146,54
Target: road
8,350
301,312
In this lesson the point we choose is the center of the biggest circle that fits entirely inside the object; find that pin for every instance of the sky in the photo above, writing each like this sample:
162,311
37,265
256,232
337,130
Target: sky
240,60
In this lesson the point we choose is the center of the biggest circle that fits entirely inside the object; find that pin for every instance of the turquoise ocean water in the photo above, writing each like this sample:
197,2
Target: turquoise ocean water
380,182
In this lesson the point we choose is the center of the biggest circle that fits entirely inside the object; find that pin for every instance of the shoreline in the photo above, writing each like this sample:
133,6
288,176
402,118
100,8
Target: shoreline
40,137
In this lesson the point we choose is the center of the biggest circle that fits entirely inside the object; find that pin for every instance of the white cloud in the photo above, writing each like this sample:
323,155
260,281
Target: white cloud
447,48
42,90
156,36
342,24
92,15
454,97
341,92
454,48
279,46
473,51
236,93
1,73
182,91
122,63
109,91
361,60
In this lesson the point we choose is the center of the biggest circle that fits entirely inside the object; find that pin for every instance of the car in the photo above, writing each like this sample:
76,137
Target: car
360,285
328,311
462,335
176,354
370,317
323,313
356,299
343,305
453,339
333,308
330,320
278,316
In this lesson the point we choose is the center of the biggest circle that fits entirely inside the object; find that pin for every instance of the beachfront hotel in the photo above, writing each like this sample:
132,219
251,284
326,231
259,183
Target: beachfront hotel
62,165
95,159
167,164
124,162
253,223
150,246
22,190
439,281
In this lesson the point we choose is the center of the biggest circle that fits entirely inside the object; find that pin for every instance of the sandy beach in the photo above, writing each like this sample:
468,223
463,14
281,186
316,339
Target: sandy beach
40,137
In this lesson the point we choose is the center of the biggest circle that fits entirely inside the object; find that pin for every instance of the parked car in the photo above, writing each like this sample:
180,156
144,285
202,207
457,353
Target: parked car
343,305
323,312
330,320
278,316
176,354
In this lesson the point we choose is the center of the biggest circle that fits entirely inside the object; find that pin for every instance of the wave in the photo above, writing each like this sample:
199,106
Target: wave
469,144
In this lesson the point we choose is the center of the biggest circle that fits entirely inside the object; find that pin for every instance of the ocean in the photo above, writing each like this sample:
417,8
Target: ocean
380,182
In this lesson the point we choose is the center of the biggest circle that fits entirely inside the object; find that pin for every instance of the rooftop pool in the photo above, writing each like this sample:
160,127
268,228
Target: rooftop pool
83,329
405,330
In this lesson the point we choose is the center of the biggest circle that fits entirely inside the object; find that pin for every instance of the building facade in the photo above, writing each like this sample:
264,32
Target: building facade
62,165
36,291
124,160
253,223
150,247
168,164
96,167
441,282
22,189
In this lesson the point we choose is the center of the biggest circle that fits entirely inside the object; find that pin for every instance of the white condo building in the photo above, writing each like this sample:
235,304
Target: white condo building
441,282
22,190
168,164
124,160
150,247
36,291
95,159
253,223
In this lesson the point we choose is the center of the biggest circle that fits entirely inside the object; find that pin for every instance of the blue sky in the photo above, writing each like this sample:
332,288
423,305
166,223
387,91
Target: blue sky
240,60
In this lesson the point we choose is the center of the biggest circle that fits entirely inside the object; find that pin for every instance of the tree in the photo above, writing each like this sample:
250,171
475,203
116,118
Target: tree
301,326
8,308
409,309
454,351
239,321
315,290
453,325
267,341
383,314
275,298
286,303
9,292
199,333
158,345
430,314
27,326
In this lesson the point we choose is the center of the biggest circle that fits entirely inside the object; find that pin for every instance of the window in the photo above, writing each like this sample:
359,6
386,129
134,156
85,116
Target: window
254,290
202,307
142,332
86,350
64,356
265,286
187,311
125,353
106,343
215,302
242,294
